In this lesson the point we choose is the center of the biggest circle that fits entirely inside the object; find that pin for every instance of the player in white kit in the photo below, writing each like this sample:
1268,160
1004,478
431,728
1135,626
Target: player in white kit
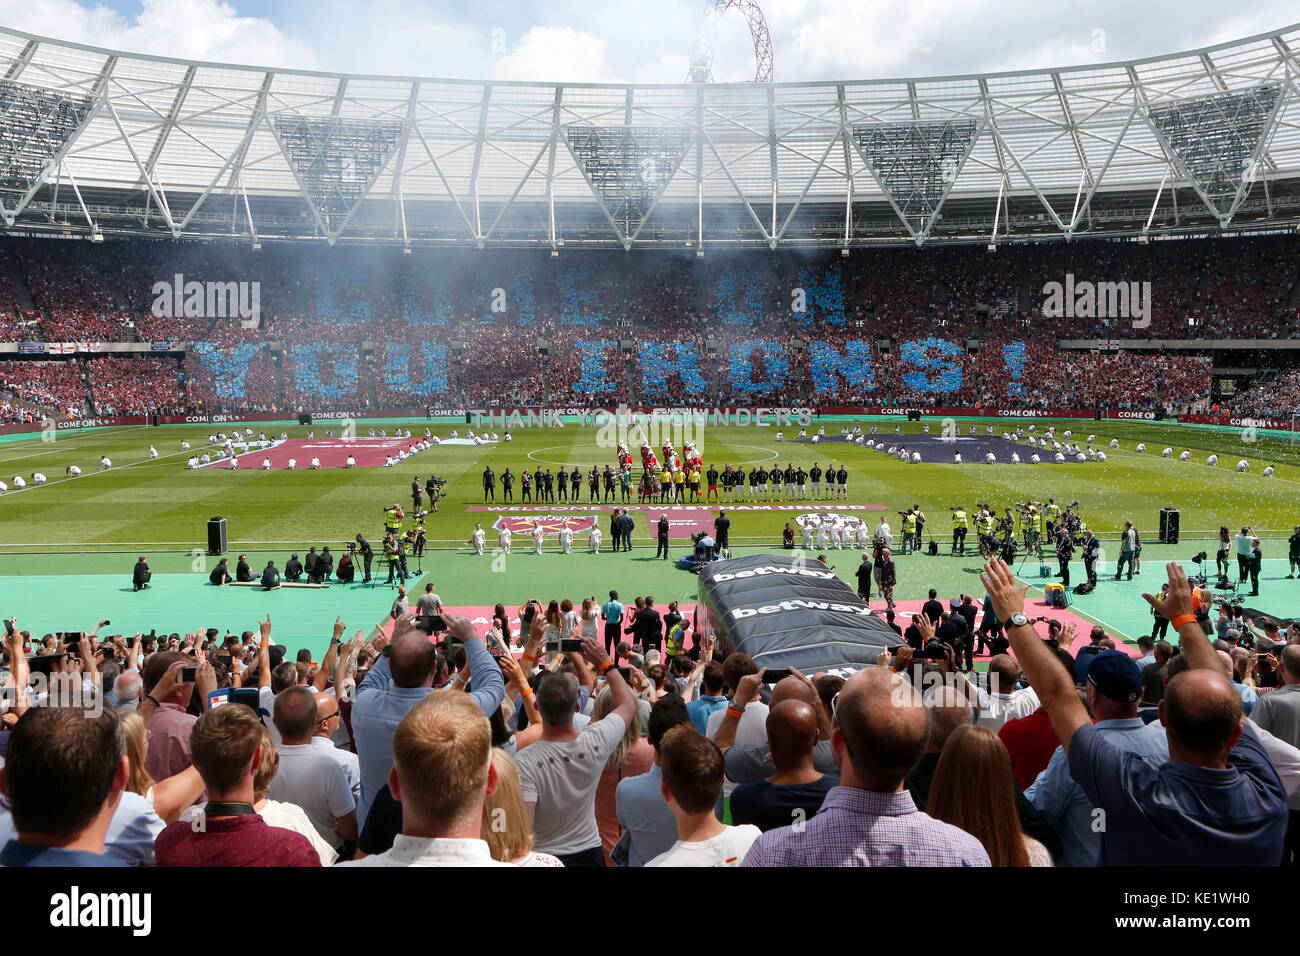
538,536
566,539
503,540
593,539
478,538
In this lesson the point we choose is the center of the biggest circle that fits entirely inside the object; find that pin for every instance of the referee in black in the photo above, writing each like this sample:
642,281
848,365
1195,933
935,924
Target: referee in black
663,538
721,527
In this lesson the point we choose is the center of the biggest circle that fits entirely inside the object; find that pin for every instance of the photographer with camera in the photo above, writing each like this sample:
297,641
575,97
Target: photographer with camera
909,530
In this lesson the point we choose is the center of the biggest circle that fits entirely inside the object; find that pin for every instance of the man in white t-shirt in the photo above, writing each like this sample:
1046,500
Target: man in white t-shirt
307,777
559,773
1004,703
692,779
430,602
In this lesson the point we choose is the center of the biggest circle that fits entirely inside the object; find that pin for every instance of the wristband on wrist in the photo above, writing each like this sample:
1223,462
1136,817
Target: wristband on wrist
526,692
529,658
605,668
1182,619
735,712
152,698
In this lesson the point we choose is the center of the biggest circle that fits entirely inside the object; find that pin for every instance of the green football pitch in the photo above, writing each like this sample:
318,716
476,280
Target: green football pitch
66,548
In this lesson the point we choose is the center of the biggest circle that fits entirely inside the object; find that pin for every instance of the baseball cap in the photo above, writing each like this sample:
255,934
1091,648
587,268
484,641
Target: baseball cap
1115,675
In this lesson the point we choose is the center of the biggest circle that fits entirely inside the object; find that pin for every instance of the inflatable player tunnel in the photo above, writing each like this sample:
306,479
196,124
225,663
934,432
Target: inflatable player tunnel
784,612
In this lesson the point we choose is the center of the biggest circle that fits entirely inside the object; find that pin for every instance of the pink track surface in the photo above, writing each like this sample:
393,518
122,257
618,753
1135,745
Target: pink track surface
332,452
481,615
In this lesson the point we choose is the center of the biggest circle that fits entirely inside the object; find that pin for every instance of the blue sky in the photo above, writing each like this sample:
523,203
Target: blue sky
647,40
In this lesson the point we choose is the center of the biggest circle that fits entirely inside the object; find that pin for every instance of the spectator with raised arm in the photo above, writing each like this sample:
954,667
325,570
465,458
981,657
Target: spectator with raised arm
560,773
1217,801
401,677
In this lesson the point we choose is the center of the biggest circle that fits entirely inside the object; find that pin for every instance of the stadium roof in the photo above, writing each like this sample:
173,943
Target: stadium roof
94,141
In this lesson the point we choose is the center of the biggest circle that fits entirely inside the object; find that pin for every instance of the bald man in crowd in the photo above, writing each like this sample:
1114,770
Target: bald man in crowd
879,735
796,791
1218,801
308,777
753,764
328,719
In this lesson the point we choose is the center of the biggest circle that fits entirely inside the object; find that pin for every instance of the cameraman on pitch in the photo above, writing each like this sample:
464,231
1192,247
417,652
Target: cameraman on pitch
959,528
367,555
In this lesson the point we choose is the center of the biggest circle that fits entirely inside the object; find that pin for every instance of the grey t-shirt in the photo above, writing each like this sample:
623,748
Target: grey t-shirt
429,603
561,779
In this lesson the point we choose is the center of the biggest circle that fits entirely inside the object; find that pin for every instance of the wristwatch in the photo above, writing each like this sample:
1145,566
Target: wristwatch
1018,620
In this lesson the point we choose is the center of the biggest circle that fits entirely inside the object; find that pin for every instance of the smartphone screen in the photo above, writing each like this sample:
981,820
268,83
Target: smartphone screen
772,675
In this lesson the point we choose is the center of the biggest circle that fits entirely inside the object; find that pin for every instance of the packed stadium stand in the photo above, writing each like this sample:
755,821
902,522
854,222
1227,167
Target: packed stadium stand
372,329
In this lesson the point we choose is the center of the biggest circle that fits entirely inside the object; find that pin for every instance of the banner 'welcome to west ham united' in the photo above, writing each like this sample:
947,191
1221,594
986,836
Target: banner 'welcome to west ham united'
784,611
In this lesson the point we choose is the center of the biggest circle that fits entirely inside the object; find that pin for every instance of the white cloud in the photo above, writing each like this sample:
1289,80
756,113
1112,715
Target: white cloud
189,29
638,42
555,54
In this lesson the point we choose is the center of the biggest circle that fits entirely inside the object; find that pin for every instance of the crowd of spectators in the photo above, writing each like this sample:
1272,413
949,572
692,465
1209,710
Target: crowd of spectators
1277,397
59,386
135,386
486,746
518,328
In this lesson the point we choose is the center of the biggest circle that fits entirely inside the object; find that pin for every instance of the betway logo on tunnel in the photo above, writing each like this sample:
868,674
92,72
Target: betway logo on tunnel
800,605
771,569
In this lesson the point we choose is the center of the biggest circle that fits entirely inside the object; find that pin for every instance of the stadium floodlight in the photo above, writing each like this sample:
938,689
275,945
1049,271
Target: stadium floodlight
916,163
335,160
1216,139
36,128
628,168
96,235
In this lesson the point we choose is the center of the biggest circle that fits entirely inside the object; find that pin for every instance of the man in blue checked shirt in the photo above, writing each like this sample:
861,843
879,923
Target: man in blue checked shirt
879,735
